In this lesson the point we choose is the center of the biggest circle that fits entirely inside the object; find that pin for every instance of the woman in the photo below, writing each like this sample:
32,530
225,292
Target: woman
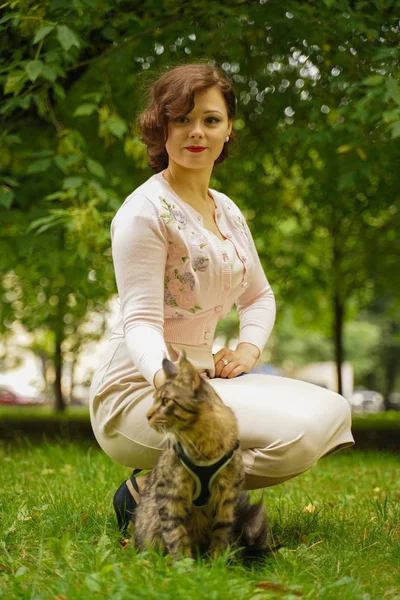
183,255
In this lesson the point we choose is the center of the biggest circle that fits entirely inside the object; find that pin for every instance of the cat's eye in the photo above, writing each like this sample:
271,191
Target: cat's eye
164,401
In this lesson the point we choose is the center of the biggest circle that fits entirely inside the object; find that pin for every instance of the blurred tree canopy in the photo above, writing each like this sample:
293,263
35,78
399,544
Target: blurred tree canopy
318,122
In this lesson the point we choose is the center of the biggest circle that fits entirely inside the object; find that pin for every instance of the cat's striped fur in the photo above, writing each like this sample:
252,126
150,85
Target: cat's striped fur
188,410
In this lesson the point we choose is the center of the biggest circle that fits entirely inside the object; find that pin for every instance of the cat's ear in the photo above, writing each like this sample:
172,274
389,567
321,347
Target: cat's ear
189,374
169,368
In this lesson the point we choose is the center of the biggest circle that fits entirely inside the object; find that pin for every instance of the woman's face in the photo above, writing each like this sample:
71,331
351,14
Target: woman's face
207,125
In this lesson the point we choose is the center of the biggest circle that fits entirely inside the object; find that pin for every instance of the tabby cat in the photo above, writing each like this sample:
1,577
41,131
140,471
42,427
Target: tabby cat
193,500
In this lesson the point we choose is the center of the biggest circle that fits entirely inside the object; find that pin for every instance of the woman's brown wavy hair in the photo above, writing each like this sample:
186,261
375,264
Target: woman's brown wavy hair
172,96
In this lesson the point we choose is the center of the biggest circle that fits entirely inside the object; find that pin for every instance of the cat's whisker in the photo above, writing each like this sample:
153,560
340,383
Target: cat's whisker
147,438
190,443
165,432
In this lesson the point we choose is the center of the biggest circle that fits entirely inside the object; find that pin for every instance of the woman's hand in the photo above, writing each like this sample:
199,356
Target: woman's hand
159,378
231,363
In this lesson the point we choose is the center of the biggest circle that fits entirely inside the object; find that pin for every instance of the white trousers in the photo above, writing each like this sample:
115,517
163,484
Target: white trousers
285,425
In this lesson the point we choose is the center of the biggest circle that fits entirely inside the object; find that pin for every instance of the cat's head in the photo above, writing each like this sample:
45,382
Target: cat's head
181,398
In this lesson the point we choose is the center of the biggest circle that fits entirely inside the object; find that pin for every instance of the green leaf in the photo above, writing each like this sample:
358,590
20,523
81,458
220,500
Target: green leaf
25,101
15,82
10,181
393,89
383,53
49,73
85,109
12,138
9,17
94,96
42,224
373,80
59,90
343,149
67,38
34,69
38,154
395,127
95,168
117,126
6,197
61,163
72,182
42,33
346,181
39,166
40,105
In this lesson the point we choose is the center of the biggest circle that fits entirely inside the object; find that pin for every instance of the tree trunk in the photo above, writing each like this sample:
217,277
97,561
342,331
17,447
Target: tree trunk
72,376
59,400
338,309
391,355
44,364
59,338
338,337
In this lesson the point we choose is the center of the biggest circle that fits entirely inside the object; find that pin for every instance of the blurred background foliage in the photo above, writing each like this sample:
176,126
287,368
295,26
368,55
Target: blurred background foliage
314,168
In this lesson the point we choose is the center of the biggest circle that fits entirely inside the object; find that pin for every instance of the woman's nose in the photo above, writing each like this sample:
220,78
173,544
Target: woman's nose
197,129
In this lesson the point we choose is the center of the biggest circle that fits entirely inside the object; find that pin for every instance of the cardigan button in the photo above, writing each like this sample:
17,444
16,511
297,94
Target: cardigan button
207,335
243,284
218,308
225,257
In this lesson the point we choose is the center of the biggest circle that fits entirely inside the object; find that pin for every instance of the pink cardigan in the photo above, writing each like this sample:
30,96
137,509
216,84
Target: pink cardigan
174,277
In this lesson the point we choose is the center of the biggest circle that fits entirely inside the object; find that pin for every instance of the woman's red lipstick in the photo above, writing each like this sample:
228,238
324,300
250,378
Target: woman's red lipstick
195,148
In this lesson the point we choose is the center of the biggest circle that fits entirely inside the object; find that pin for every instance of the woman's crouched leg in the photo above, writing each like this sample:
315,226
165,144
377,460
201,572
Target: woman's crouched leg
285,425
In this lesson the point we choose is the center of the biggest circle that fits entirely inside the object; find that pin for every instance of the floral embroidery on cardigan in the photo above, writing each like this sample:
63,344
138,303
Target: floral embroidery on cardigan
198,239
176,315
173,214
240,225
178,250
200,263
179,290
238,219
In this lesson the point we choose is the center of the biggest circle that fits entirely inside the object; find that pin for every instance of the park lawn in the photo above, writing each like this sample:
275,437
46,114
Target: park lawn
339,526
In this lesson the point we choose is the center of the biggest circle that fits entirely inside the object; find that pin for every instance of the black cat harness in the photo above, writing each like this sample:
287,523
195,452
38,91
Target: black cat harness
203,476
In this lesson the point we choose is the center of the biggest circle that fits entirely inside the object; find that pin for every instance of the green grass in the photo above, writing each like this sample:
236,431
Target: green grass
339,524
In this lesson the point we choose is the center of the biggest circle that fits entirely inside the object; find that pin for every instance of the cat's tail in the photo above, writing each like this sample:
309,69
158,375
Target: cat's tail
251,528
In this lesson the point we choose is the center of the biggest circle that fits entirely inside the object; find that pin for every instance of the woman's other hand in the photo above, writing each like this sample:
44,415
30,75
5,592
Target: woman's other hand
159,379
231,363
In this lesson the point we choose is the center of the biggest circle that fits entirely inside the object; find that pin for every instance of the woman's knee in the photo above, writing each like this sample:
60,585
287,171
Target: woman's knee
124,450
302,441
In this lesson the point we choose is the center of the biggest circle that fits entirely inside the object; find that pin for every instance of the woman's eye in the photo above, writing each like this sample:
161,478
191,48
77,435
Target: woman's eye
213,120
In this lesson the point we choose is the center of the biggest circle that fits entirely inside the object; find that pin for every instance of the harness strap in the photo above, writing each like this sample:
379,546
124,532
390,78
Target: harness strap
203,476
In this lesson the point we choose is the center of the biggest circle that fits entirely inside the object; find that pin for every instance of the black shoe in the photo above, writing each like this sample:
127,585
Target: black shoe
124,503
